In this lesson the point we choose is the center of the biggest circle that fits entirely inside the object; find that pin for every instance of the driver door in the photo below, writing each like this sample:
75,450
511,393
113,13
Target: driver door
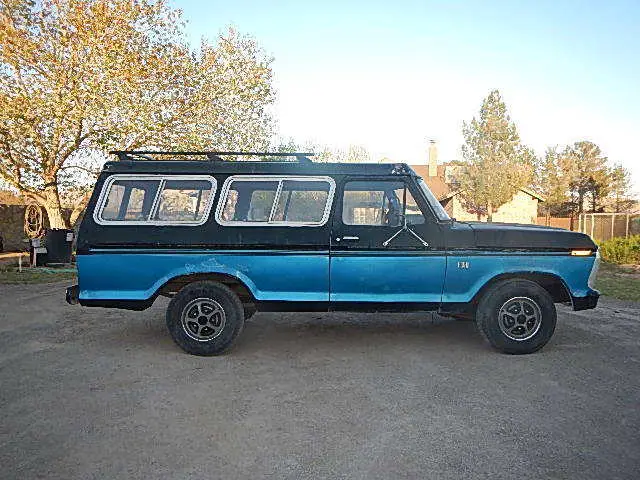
374,256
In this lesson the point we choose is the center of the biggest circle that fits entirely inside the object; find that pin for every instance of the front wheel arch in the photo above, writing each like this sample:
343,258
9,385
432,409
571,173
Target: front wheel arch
552,283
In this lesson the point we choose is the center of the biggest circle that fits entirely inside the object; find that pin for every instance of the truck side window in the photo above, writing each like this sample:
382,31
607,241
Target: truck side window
378,203
413,212
249,201
130,200
183,200
157,200
302,201
295,201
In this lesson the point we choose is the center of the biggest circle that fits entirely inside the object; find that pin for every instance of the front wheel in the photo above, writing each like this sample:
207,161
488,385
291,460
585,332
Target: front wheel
204,318
517,316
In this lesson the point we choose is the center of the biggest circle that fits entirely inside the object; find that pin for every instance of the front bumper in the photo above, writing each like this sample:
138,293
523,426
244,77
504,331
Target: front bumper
585,303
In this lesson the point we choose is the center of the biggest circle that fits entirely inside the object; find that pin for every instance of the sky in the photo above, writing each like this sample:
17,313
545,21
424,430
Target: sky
391,75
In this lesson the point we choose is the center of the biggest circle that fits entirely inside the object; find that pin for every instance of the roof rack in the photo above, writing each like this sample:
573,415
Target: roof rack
133,155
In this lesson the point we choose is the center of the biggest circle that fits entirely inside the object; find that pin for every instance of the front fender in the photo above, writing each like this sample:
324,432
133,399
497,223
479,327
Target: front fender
463,284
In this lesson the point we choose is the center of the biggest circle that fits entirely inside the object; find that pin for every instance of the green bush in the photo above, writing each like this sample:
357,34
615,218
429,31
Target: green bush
621,251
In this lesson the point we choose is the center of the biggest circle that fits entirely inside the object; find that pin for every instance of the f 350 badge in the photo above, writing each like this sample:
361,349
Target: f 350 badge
463,264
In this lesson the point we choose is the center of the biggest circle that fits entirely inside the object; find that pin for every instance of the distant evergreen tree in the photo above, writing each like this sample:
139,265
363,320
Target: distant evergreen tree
497,164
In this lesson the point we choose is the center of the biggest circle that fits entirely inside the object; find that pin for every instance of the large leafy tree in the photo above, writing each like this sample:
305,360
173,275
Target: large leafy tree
80,77
497,164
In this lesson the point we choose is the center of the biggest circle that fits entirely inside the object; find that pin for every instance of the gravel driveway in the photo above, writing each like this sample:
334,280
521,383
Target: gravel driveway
92,393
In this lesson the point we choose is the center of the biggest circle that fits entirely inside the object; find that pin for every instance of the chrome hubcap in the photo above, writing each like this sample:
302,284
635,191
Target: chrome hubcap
203,319
520,318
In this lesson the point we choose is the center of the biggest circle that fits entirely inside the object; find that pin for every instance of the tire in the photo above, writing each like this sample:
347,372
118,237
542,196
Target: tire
205,318
516,316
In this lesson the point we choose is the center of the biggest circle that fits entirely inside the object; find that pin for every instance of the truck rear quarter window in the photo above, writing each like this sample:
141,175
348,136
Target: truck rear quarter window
272,201
129,200
155,200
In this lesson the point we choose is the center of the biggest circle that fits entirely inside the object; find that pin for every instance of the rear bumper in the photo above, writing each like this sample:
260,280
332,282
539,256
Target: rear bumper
71,296
585,303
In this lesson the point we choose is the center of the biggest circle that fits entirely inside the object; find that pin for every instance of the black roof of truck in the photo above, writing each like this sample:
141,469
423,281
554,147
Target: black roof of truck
227,163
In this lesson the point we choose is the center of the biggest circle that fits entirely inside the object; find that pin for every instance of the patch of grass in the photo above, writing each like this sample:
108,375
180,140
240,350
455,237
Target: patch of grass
621,282
35,275
621,250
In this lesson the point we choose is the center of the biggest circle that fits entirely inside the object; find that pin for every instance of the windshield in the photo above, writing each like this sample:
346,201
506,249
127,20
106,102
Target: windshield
438,209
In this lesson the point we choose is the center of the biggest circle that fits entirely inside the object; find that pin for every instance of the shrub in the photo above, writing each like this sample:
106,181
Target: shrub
621,250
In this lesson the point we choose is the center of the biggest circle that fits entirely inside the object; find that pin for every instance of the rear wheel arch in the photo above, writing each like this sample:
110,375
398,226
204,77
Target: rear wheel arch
240,288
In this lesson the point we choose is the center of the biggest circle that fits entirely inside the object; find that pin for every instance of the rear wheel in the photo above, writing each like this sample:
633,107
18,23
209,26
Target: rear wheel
517,316
204,318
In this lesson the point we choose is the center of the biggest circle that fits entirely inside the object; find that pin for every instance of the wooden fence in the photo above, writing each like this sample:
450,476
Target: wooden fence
600,226
603,226
560,222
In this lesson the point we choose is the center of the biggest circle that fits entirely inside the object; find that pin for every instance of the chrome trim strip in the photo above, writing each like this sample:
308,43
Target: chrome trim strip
156,200
276,199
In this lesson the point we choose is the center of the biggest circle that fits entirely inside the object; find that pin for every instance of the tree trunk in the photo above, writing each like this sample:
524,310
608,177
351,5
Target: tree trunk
52,205
489,212
580,202
78,211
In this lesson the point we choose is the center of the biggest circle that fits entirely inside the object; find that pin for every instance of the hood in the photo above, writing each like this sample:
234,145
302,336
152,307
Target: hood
512,235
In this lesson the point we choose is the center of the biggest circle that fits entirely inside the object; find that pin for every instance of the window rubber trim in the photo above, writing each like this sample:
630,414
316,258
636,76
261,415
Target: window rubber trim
280,179
102,200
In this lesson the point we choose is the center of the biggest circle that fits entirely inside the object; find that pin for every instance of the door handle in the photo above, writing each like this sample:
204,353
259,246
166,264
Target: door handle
348,238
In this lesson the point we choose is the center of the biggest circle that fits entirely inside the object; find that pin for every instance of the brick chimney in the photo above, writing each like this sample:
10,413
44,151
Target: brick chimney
433,159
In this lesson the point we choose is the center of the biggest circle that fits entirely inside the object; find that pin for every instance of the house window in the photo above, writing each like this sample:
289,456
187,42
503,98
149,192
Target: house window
270,200
155,200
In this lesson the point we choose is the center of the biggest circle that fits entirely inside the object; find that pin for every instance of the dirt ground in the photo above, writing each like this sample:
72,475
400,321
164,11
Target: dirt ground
92,393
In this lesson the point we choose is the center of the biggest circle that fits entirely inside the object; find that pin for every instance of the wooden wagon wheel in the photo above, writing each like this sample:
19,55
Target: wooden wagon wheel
34,221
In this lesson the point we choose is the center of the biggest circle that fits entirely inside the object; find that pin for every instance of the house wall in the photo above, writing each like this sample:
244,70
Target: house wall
523,208
460,213
12,227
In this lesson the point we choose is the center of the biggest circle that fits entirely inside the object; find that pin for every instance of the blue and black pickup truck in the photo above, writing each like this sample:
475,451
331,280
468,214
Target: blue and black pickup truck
224,238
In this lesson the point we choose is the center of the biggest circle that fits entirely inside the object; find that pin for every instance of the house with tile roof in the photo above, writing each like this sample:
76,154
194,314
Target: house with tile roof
440,177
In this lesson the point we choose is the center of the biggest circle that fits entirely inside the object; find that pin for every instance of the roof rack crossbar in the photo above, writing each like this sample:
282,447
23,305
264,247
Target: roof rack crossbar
302,157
